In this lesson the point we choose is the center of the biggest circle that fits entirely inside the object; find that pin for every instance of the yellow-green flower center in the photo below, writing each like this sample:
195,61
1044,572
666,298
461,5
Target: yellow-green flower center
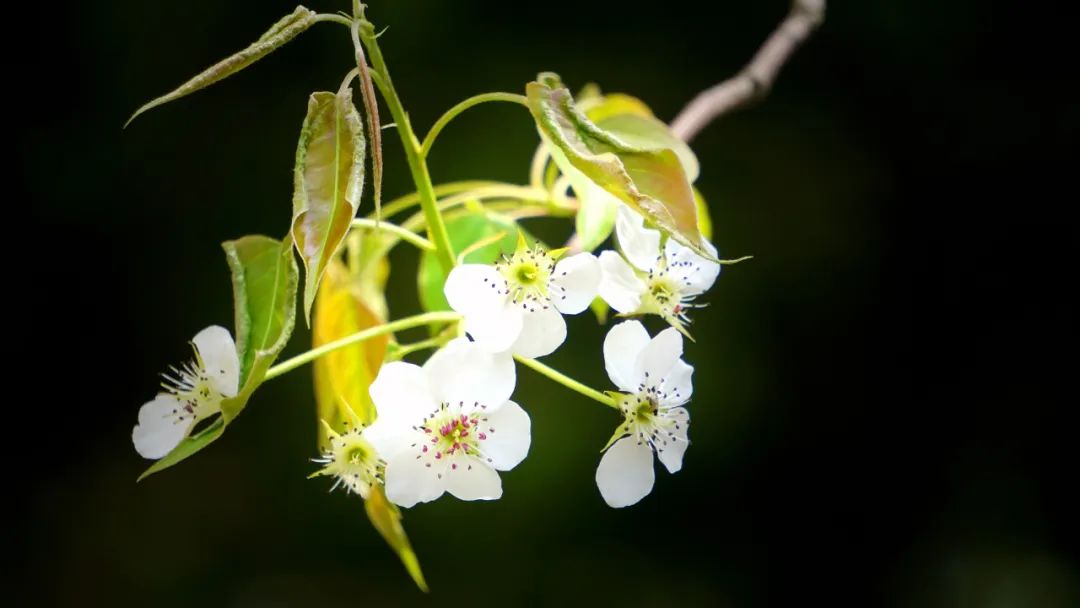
527,273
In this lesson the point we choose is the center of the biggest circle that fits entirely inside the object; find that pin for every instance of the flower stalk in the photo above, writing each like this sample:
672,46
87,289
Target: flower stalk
421,320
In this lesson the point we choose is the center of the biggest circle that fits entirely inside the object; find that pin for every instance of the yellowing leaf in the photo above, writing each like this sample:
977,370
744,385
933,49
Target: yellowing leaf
386,518
650,180
283,31
343,377
616,104
327,182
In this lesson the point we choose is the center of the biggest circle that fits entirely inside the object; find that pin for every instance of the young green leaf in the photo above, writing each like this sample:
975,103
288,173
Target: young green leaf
264,278
386,518
650,180
343,377
464,231
283,31
327,182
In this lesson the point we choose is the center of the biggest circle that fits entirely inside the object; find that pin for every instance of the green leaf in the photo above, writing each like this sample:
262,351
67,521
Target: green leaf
283,31
386,518
264,278
343,377
648,133
465,230
327,182
651,181
187,447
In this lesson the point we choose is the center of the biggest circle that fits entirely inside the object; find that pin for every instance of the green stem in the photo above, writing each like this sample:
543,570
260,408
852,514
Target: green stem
331,18
435,226
410,200
406,235
407,349
450,114
372,332
567,381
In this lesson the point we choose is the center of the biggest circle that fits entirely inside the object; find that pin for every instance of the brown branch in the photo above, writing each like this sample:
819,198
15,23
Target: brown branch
755,80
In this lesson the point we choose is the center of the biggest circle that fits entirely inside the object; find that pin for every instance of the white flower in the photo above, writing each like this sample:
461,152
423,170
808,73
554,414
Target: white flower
655,281
448,426
657,383
193,392
518,304
351,460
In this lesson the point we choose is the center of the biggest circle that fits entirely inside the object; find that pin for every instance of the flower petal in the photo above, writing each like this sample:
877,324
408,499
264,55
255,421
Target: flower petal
464,372
640,245
625,474
507,436
659,357
671,452
409,480
574,283
159,430
474,288
401,394
694,273
619,285
473,480
542,331
217,351
497,329
390,437
678,385
622,345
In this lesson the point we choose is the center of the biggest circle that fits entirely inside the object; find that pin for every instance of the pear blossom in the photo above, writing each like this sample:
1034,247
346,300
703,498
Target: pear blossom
448,426
650,279
350,460
517,304
193,392
656,383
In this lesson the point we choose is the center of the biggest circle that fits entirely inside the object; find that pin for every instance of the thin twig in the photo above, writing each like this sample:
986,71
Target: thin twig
755,80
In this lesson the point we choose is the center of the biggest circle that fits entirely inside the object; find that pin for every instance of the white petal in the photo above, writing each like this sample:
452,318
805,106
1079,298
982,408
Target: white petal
474,288
473,480
678,387
671,453
497,329
622,345
409,480
508,435
619,285
625,474
219,359
575,281
158,430
389,436
464,372
658,358
542,331
694,273
640,245
402,394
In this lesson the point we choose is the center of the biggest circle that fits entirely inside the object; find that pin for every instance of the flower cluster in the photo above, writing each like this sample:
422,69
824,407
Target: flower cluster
450,425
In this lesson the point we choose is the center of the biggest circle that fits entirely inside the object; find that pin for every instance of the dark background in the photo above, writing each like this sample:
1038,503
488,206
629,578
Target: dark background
880,410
